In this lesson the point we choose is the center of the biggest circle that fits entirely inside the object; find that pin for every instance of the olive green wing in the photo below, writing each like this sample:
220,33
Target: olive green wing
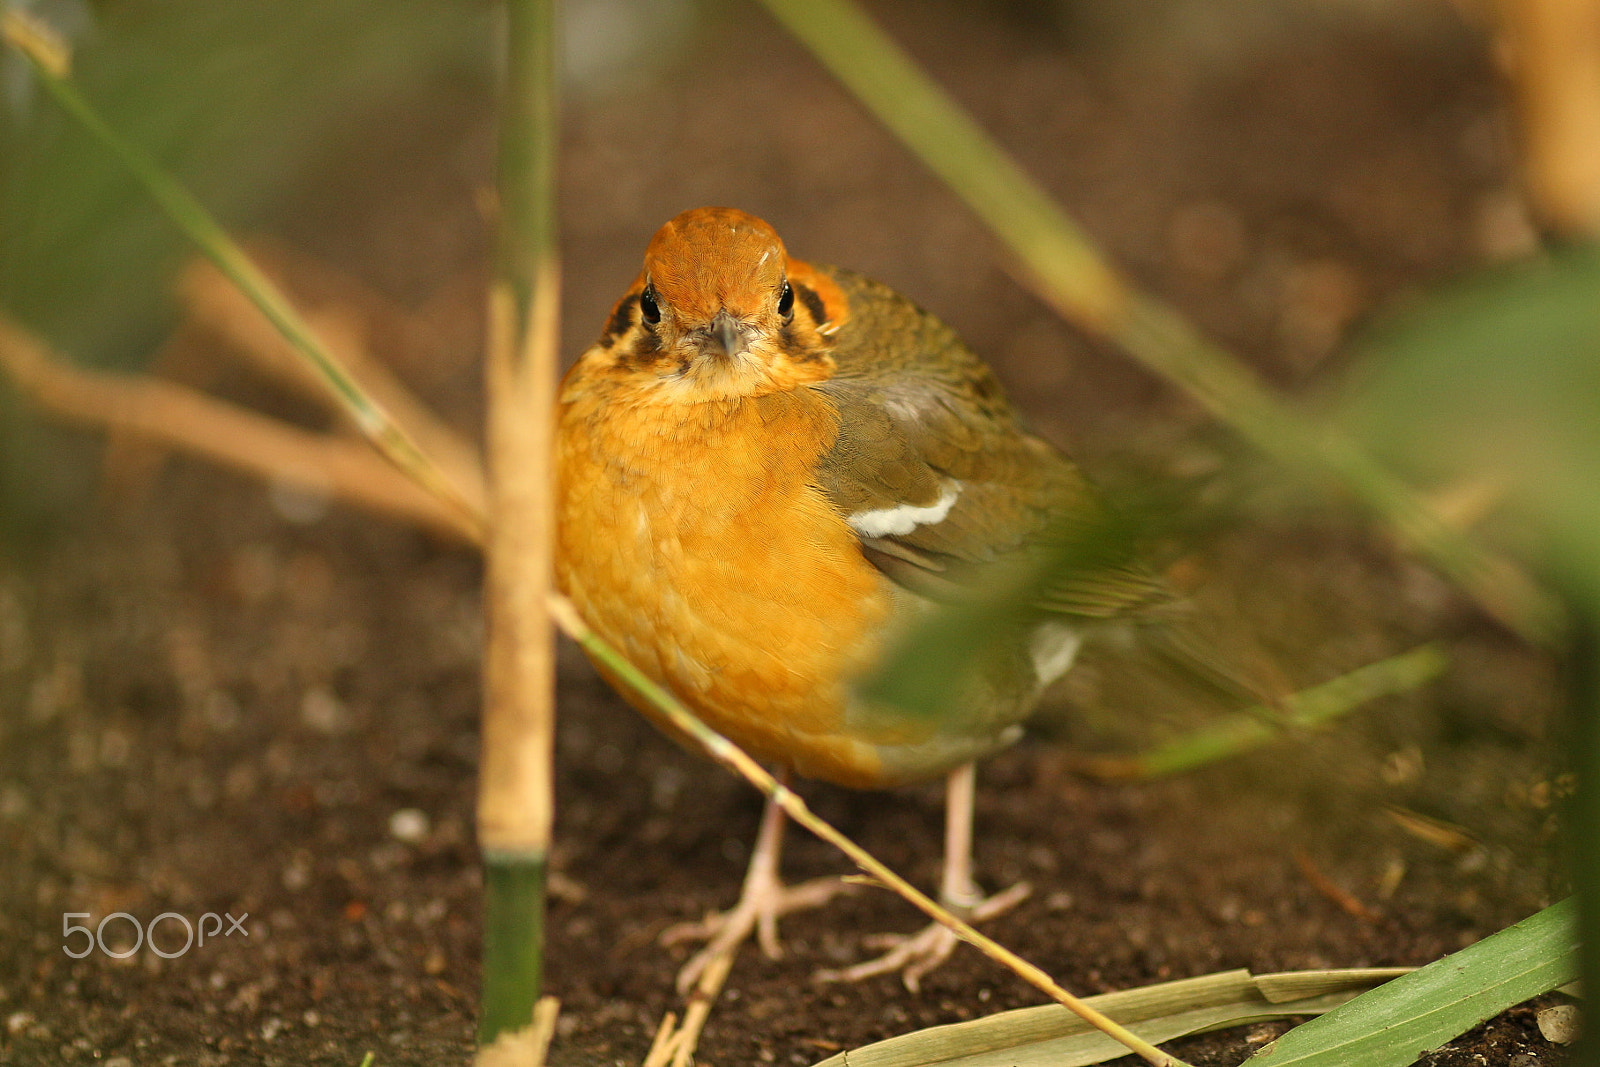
940,481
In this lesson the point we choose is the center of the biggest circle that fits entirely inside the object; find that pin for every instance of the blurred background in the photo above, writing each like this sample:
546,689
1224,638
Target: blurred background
214,696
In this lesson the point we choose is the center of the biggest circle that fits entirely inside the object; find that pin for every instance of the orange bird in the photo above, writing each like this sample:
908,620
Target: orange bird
767,469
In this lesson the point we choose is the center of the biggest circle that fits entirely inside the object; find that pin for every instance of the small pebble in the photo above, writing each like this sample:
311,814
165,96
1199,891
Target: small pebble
1060,901
324,712
408,825
297,875
297,503
13,802
18,1021
1561,1024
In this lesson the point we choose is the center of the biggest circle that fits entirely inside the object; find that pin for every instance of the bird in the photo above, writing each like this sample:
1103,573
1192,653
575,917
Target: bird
767,472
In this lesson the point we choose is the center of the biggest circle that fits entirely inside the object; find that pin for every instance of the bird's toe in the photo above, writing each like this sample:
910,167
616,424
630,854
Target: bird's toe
915,955
758,911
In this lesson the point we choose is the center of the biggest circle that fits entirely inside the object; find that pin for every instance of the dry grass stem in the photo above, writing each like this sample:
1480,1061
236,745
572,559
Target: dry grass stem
184,418
216,304
730,755
674,1045
1341,897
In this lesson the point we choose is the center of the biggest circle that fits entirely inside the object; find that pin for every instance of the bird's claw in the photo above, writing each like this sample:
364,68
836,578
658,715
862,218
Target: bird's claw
914,955
758,910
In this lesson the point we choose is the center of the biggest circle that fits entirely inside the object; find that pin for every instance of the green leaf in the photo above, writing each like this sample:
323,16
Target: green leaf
233,100
1397,1022
1051,1036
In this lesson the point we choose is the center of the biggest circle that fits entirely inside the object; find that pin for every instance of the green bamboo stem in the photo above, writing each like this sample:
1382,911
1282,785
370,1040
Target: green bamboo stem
515,802
52,65
1065,269
731,756
513,942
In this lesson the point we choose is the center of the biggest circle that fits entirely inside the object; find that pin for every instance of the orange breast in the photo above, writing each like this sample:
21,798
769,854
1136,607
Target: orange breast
691,536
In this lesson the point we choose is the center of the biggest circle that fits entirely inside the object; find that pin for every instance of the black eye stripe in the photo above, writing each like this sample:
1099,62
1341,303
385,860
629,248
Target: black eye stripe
808,296
621,319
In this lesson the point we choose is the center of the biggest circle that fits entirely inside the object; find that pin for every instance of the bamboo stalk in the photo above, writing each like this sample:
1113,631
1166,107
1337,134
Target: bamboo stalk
515,805
1067,272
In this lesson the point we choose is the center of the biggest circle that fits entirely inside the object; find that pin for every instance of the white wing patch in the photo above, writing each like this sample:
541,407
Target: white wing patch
1053,647
902,519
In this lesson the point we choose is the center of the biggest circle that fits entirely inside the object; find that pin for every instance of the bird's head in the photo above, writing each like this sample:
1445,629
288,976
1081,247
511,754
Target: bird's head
720,310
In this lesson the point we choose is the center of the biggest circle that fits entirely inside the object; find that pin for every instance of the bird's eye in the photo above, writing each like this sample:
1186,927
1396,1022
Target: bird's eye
786,300
648,306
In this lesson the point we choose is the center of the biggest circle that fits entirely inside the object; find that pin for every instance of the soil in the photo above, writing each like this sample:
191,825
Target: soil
219,699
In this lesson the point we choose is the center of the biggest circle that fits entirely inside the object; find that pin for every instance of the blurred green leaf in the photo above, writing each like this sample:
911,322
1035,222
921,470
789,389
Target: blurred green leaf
931,670
1500,377
1398,1021
1071,275
233,99
230,98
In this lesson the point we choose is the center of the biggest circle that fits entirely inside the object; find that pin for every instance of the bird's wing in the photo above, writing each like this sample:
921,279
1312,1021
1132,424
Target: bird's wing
937,477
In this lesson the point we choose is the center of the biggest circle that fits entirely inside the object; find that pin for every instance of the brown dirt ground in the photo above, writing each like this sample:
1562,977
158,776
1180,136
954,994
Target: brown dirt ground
217,700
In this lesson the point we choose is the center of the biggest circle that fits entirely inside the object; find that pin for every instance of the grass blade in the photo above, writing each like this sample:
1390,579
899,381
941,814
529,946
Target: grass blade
1397,1022
1048,1036
1305,710
1071,275
52,66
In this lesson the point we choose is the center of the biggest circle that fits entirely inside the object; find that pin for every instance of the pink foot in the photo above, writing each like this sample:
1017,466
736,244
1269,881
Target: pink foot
914,955
763,901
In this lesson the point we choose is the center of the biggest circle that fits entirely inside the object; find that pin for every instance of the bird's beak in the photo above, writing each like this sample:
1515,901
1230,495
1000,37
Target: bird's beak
725,335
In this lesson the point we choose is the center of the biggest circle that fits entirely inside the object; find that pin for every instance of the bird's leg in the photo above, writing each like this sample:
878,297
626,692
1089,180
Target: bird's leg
957,887
916,954
763,899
